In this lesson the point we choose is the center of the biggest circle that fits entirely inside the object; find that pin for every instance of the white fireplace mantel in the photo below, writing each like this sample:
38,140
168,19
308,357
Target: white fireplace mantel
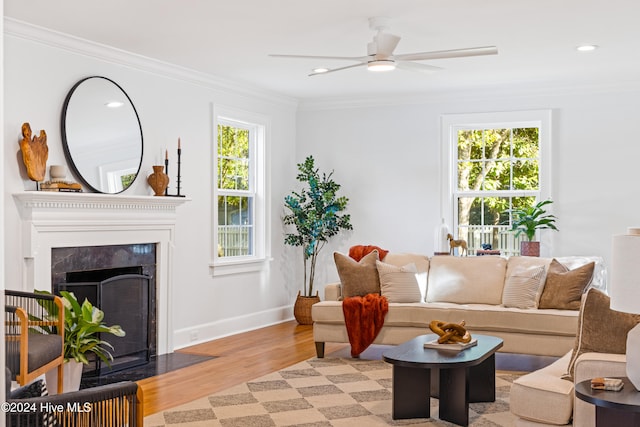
57,220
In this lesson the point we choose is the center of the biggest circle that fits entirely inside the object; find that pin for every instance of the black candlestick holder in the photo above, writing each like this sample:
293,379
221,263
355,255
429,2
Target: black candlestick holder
178,181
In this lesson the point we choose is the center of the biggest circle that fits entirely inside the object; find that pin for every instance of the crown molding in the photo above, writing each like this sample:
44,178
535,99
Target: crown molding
507,91
102,52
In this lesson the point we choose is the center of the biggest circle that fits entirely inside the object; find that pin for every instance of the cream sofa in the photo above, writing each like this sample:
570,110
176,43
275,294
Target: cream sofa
469,289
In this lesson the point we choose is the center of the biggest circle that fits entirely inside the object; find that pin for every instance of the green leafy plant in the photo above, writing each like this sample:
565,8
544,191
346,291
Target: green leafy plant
315,214
529,219
82,324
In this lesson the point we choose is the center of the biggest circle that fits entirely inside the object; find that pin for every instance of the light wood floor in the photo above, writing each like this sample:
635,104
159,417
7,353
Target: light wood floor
239,358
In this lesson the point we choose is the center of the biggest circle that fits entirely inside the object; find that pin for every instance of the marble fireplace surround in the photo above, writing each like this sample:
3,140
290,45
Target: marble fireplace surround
58,220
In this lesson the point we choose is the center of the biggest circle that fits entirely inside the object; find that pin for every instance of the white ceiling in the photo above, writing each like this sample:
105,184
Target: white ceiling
232,39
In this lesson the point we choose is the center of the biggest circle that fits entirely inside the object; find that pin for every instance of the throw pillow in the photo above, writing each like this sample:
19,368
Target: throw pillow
399,284
35,389
523,287
600,329
563,288
358,278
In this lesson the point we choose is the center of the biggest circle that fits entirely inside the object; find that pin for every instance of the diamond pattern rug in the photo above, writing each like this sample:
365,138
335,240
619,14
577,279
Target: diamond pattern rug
321,393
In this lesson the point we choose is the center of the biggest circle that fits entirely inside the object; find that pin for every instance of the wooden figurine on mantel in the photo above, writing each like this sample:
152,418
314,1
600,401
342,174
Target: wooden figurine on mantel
34,153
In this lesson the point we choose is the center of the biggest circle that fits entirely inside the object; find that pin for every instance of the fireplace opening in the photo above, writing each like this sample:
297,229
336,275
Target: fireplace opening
123,294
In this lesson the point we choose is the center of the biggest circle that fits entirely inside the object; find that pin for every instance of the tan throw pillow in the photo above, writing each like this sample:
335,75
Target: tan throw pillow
358,278
563,288
600,329
399,284
522,288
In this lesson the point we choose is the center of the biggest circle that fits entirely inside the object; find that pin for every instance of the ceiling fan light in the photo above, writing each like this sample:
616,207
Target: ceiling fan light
381,65
586,48
320,70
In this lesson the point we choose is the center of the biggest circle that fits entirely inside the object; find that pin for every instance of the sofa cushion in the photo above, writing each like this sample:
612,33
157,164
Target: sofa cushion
522,288
399,284
473,280
400,259
563,288
482,317
600,329
542,396
358,278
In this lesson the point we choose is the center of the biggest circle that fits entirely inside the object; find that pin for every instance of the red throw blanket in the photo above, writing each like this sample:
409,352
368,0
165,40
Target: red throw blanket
364,317
357,252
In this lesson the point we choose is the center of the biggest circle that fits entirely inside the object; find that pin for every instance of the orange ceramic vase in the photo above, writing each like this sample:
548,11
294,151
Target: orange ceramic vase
158,180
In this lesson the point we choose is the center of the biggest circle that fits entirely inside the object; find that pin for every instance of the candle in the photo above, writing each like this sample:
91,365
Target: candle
166,154
178,143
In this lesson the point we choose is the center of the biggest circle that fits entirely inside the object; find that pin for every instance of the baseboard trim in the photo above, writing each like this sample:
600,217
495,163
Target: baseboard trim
226,327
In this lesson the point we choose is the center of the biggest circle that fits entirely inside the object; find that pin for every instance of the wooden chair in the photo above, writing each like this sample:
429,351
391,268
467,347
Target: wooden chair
34,334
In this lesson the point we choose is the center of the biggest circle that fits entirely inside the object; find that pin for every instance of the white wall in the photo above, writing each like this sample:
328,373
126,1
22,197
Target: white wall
171,103
386,156
388,159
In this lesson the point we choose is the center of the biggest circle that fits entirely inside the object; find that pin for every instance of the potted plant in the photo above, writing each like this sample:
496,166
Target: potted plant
315,213
82,324
529,219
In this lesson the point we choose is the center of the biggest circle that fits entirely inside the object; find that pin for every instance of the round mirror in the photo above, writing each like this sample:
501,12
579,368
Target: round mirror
101,135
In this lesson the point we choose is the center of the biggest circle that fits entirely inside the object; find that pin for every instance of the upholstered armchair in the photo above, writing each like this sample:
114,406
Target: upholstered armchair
34,338
113,405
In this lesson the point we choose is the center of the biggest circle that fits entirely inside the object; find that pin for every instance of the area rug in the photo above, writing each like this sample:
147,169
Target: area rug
325,392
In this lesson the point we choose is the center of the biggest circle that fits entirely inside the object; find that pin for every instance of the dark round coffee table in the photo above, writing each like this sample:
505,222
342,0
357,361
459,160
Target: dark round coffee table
456,378
613,408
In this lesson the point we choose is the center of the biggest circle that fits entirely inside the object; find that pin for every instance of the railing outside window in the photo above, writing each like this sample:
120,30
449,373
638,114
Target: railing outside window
234,240
496,235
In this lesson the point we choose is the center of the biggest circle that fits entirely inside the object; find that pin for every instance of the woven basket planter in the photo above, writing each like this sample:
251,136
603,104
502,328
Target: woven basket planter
302,308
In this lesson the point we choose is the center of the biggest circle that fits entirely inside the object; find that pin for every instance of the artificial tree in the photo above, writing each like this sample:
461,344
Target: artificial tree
315,213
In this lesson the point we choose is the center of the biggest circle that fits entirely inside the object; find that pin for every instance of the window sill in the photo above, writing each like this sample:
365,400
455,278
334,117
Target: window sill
238,266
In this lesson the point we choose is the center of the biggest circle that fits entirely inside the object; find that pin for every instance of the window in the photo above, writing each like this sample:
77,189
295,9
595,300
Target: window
496,162
239,190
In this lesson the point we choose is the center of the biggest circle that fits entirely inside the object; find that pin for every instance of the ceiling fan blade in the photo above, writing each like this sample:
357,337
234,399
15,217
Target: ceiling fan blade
454,53
385,44
337,69
345,58
415,66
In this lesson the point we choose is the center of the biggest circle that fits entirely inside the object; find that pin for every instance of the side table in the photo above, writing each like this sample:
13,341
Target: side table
613,408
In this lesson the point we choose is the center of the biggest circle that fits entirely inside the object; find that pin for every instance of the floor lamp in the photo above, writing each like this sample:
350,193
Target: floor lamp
625,292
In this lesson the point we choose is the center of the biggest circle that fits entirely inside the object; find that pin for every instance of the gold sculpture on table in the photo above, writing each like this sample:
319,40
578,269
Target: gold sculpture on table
34,153
449,333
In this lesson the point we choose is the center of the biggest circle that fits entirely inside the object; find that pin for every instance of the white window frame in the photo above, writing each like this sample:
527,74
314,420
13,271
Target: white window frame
450,124
259,127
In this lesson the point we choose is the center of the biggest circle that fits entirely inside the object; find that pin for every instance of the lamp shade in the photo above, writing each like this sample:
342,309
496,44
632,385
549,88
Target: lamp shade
625,293
625,272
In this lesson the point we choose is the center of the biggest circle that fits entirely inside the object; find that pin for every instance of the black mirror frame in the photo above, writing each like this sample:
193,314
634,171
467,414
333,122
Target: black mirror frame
65,145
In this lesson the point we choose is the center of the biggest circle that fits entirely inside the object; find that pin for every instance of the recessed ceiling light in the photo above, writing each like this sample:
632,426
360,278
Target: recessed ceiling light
114,104
586,48
320,70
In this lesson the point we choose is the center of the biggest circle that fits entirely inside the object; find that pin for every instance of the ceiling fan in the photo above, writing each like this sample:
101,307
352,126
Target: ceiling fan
380,56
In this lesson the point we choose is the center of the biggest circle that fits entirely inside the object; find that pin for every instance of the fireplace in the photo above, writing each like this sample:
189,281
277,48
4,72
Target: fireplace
66,220
120,280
